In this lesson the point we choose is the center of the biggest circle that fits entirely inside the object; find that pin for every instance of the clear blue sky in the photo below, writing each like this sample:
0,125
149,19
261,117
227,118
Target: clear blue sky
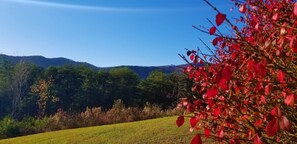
105,32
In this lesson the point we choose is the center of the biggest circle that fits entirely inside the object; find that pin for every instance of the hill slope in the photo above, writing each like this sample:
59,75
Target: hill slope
142,71
43,61
161,130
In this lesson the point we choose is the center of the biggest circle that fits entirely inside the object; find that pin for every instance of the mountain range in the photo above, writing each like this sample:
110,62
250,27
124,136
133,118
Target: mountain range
142,71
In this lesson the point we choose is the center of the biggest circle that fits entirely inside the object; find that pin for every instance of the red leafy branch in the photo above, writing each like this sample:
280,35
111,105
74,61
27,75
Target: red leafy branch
247,86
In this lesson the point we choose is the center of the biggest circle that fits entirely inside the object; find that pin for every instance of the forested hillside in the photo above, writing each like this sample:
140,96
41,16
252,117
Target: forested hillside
69,96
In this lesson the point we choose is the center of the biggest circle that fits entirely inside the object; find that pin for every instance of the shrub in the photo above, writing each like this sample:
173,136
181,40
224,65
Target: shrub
117,113
62,120
249,82
151,111
27,125
9,128
41,124
92,117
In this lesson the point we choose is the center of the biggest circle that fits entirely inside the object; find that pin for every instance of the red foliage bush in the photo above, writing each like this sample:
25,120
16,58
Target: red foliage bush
249,84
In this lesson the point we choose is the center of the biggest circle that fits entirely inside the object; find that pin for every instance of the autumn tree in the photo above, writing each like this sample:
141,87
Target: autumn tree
249,82
42,90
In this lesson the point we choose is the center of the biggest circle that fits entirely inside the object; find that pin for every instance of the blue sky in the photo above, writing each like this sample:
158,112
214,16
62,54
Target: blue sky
106,32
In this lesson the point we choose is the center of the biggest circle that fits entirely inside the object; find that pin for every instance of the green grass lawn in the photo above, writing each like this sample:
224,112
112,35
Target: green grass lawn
161,130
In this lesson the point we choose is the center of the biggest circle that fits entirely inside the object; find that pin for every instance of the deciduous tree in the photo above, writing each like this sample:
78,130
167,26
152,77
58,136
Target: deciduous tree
19,85
42,90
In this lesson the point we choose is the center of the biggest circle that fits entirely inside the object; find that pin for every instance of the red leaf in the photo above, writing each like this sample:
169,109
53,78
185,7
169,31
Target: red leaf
234,47
250,64
184,101
259,86
217,111
180,121
277,139
257,140
212,92
258,27
235,140
272,127
284,123
220,135
206,133
234,55
223,84
212,30
192,57
260,69
276,112
258,123
193,121
210,103
281,76
290,100
220,18
196,139
295,9
236,89
217,40
242,8
275,17
196,60
227,73
263,100
191,107
198,103
268,89
293,44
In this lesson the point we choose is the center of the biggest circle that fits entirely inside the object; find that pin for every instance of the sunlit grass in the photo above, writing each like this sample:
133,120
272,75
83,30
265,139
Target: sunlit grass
161,130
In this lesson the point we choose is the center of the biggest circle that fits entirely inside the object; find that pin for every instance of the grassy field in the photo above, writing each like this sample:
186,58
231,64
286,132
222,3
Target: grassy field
161,130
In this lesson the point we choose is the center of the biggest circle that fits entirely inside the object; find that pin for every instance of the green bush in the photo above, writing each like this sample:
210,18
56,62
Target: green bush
31,125
41,125
27,126
9,128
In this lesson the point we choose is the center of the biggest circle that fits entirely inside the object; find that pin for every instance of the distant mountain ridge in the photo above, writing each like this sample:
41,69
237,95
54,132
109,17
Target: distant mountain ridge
142,71
43,61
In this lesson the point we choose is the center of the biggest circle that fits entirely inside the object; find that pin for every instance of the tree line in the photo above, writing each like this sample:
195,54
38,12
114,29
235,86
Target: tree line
29,90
